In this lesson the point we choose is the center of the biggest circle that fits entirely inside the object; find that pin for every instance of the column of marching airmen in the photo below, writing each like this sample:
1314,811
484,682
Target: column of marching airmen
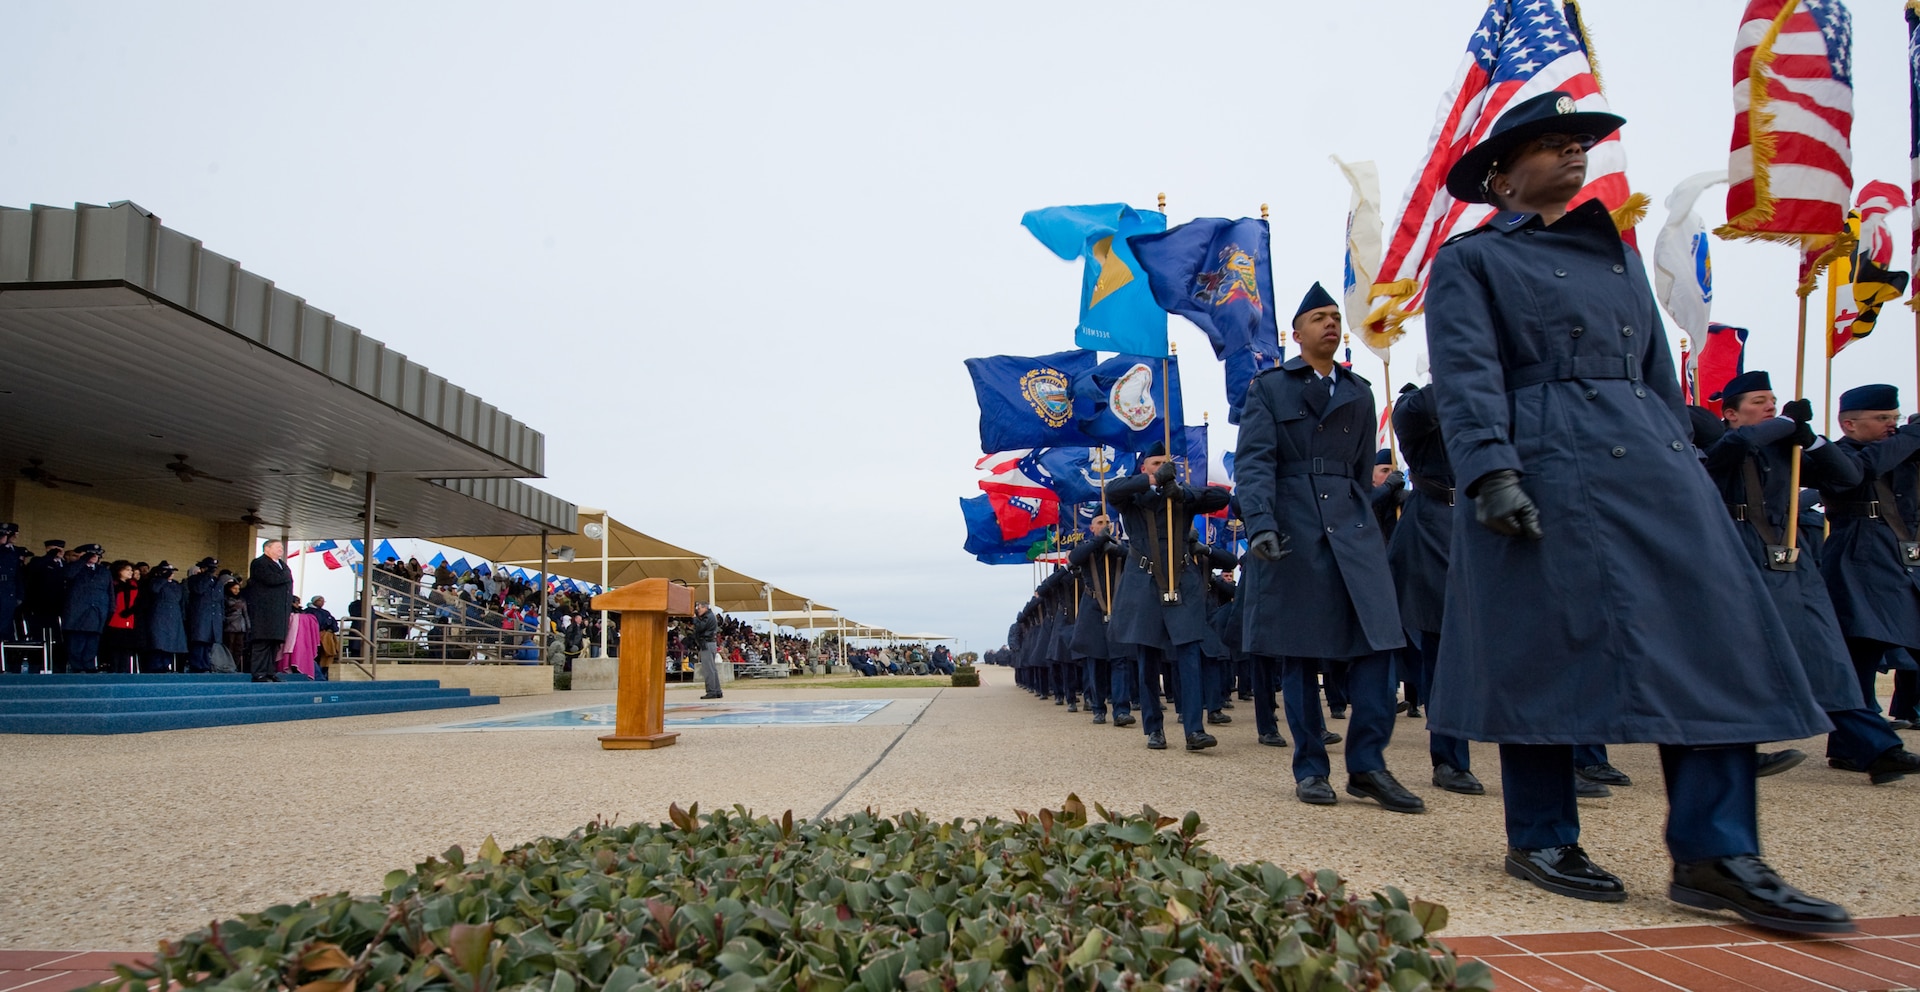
1579,560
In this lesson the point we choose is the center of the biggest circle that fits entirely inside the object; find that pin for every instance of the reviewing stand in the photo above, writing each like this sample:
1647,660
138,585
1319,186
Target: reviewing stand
640,712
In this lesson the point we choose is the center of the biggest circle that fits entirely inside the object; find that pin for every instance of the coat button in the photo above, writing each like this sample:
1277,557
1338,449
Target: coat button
1346,430
1593,394
1677,446
1626,331
1640,392
1617,267
1323,495
1576,332
1329,530
1360,526
1560,272
1320,427
1619,452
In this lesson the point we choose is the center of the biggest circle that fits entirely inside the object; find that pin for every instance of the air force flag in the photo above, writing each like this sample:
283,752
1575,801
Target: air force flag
1682,270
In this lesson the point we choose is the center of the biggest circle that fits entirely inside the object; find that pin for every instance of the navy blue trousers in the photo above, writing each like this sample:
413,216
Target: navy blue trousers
1184,667
1859,735
1096,683
1334,677
83,650
1712,801
1369,690
1442,749
1266,680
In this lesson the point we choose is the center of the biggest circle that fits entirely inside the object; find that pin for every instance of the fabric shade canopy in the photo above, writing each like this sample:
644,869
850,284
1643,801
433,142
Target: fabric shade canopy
631,556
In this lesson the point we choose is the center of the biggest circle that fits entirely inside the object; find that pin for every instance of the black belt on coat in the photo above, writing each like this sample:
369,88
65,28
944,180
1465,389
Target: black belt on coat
1596,367
1434,488
1851,508
1314,466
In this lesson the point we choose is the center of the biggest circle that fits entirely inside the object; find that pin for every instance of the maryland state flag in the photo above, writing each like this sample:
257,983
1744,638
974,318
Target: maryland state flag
1852,315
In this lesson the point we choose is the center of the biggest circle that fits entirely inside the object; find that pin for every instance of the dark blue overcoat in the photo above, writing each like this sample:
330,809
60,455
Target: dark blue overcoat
1418,549
1310,475
89,598
1140,618
164,605
1100,560
1875,594
10,588
1800,595
1637,618
206,608
269,596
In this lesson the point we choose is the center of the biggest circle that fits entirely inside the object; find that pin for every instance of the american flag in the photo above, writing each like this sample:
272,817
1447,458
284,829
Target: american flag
1791,171
1913,141
1522,48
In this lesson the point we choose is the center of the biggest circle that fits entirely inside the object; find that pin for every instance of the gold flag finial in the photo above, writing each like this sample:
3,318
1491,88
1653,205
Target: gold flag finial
1163,203
1263,211
1172,347
1205,416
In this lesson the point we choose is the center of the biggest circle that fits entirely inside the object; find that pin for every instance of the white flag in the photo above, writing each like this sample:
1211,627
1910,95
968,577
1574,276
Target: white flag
1682,270
1363,255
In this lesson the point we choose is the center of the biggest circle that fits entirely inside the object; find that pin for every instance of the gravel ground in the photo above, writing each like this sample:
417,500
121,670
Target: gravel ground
121,841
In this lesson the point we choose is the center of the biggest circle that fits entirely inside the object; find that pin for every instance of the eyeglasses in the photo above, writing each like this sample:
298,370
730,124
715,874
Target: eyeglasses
1559,142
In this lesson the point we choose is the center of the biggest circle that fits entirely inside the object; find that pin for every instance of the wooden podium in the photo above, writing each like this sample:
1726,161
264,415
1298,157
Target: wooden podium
640,712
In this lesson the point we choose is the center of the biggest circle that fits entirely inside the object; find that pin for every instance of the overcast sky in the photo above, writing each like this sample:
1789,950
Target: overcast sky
729,257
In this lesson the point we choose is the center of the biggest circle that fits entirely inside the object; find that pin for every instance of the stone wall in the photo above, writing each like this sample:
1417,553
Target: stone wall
483,680
136,533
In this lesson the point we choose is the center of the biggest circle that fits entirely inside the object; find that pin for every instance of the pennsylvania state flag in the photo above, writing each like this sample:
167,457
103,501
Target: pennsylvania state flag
1125,402
1218,273
1117,309
1028,402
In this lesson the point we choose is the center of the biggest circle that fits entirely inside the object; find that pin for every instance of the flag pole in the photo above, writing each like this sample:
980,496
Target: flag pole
1172,595
1799,392
1386,373
1106,563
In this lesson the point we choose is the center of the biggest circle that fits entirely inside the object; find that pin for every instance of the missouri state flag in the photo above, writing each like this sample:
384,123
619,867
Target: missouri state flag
1117,309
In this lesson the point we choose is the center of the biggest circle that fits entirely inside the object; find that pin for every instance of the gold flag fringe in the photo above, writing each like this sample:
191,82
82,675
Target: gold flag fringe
1579,25
1630,213
1762,144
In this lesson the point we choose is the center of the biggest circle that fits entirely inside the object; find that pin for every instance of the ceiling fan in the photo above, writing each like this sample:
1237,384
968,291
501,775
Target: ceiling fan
36,471
187,473
252,518
382,521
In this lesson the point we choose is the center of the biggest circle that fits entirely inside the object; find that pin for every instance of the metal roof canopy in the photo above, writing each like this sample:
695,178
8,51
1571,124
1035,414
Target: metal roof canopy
133,345
631,556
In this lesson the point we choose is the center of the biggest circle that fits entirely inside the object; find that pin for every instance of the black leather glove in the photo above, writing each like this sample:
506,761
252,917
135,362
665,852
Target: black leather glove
1504,508
1798,411
1270,545
1803,435
1396,479
1164,474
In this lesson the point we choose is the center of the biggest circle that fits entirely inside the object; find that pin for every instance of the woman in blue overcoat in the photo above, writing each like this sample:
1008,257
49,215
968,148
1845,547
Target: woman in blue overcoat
1597,592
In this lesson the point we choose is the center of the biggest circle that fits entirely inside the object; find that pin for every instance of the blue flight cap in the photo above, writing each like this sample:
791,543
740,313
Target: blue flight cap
1876,396
1159,448
1742,384
1383,457
1316,298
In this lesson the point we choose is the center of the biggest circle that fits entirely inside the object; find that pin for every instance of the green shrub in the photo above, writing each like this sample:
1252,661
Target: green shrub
562,679
965,675
730,900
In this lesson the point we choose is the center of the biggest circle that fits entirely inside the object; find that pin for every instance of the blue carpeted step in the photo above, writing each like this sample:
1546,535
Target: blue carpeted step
266,712
316,692
125,687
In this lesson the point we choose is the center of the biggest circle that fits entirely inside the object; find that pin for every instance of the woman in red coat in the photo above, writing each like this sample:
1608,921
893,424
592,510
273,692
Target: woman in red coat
120,642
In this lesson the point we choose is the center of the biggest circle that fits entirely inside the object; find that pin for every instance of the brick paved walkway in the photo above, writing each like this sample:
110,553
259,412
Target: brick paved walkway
1884,955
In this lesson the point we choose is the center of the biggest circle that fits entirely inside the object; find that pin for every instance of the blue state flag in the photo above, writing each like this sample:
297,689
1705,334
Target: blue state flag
483,569
1074,474
383,551
983,534
1193,457
1028,402
1217,273
437,560
1125,401
1117,309
1241,366
460,566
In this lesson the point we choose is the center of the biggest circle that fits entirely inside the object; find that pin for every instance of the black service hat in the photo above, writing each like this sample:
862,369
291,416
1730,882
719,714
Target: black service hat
1544,114
91,549
1876,396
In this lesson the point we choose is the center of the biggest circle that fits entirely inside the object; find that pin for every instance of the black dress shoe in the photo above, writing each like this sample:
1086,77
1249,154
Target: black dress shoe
1226,704
1073,707
1339,714
1743,883
1402,706
1775,762
1273,740
1201,741
1894,764
1099,716
1842,764
1315,791
1123,719
1457,780
1413,712
1588,789
1059,702
1900,724
1215,716
1157,742
1605,774
1328,738
1246,697
711,695
1382,788
1566,871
